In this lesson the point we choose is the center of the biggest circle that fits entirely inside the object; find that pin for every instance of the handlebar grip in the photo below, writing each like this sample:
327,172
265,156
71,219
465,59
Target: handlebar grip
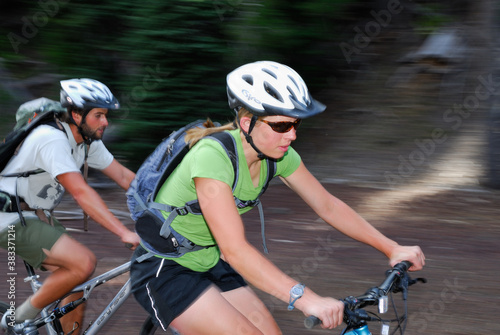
311,321
406,264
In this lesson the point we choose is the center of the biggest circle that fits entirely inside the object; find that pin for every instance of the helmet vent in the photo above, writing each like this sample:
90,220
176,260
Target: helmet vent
292,93
271,73
87,94
272,92
270,88
293,80
248,79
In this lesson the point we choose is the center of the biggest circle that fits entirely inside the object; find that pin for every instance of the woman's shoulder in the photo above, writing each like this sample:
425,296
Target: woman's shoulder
215,144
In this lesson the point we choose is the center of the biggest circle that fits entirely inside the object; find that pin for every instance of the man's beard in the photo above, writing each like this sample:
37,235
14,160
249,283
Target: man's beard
91,134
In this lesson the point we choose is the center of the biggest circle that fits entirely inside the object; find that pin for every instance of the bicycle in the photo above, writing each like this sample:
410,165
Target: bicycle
50,315
356,317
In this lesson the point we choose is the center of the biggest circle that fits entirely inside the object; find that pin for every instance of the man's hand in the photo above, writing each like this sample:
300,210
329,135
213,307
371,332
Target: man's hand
131,240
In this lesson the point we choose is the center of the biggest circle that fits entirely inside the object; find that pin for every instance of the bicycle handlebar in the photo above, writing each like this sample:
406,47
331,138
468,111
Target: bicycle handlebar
396,281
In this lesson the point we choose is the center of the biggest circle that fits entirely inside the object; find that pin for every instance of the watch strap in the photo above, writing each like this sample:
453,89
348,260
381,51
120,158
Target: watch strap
294,299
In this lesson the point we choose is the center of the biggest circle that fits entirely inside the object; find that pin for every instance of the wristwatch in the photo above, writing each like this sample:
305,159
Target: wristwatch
296,292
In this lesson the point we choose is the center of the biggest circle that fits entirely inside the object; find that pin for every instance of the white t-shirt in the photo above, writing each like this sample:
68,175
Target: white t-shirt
56,153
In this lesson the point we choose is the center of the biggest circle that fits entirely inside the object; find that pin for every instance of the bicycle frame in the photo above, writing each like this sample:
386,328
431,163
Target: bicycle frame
360,331
87,288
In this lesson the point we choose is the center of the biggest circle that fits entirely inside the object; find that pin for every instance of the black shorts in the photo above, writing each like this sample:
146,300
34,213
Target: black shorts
167,292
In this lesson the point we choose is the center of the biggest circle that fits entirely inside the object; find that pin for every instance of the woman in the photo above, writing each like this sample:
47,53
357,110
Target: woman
203,292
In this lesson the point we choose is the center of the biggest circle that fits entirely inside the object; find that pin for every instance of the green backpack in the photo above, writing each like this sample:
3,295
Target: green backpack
29,116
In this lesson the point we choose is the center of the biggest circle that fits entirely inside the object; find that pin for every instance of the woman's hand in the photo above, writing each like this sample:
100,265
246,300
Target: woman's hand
329,310
412,254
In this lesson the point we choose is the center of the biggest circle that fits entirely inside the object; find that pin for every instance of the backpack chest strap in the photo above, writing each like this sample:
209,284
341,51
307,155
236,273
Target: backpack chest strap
191,207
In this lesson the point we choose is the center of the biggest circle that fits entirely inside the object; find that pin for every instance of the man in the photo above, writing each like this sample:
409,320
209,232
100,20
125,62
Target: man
61,153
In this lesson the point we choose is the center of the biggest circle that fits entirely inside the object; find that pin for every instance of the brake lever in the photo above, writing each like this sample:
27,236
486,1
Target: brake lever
420,279
401,284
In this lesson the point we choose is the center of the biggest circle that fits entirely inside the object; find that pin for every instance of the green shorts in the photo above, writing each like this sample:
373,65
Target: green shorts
32,239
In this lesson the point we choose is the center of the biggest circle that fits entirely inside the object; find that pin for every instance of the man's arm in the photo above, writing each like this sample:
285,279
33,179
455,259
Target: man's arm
90,201
120,174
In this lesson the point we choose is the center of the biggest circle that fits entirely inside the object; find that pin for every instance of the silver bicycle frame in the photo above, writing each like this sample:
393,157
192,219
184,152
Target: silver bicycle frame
87,288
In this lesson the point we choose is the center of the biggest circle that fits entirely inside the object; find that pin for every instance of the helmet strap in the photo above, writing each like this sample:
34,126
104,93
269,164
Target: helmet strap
85,138
249,138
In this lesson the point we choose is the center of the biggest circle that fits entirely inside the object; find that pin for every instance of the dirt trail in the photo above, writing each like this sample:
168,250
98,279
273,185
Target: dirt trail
444,211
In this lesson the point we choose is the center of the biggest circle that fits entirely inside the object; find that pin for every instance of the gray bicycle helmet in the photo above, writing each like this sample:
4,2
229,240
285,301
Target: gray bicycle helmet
86,94
270,88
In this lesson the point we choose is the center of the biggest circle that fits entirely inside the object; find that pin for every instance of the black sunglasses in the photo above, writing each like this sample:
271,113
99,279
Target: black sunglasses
283,126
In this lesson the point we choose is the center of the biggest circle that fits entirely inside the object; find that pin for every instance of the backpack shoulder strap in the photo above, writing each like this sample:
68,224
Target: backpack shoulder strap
227,141
271,171
229,144
50,119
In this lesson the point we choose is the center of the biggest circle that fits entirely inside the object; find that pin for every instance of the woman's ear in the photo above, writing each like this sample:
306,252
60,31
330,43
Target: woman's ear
245,123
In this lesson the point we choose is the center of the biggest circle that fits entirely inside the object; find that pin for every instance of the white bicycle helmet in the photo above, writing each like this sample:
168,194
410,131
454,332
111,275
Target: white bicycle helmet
87,94
270,88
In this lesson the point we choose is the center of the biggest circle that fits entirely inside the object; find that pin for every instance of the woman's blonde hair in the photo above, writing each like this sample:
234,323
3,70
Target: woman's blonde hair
196,134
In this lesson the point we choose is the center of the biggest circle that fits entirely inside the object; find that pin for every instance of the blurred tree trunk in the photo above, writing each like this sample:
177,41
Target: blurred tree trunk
479,21
484,23
493,168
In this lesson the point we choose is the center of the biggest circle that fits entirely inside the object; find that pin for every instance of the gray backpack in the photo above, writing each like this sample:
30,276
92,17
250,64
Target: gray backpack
156,234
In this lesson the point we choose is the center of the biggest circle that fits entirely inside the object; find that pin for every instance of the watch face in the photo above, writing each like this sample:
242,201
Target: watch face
297,291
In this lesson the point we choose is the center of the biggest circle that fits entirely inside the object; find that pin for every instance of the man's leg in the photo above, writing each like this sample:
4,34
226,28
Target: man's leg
71,263
76,316
41,244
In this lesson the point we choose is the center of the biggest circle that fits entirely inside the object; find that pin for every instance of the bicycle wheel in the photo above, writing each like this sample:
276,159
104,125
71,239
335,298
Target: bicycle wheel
149,328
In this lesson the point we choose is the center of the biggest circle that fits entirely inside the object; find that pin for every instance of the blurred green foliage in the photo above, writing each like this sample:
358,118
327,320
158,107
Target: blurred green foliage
166,61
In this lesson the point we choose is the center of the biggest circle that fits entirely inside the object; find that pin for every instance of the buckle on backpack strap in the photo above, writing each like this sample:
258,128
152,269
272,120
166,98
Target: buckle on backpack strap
181,211
247,203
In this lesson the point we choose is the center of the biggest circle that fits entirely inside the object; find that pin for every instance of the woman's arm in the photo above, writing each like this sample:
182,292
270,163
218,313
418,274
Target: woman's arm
219,210
343,218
